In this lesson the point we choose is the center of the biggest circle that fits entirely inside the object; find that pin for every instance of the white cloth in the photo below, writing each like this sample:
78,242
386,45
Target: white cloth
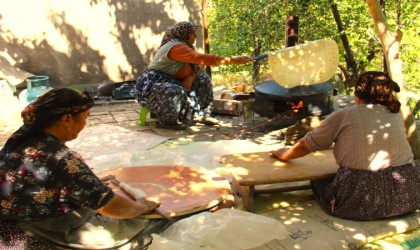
225,229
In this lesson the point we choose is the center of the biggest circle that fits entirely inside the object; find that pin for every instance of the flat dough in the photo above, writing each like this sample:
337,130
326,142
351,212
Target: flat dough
304,64
181,190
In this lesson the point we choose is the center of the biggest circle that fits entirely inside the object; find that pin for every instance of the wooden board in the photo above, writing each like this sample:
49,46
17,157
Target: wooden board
181,190
303,64
260,168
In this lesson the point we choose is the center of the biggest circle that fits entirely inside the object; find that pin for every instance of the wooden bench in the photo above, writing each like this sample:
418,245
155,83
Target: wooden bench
252,169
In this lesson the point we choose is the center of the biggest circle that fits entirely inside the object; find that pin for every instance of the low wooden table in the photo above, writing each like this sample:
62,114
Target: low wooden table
251,169
181,190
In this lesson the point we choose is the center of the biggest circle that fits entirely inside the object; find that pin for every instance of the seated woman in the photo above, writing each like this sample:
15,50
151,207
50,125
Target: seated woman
377,178
48,191
173,87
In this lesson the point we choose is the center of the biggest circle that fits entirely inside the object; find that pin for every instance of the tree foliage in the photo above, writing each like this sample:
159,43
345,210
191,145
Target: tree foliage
253,27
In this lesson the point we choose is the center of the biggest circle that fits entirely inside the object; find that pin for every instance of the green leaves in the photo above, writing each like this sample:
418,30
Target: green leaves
248,26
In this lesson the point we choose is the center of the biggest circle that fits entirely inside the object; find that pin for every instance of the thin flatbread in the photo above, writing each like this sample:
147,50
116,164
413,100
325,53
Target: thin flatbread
181,190
304,64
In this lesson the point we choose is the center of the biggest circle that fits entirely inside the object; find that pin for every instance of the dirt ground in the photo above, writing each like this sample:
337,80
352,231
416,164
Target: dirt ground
261,130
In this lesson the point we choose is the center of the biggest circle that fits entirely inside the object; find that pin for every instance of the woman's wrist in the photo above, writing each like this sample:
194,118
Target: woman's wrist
233,60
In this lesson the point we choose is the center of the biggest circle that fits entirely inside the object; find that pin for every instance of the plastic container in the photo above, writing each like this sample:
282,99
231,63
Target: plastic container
35,86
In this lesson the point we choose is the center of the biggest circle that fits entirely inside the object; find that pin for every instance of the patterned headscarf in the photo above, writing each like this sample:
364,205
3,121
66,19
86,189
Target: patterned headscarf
378,87
181,32
47,108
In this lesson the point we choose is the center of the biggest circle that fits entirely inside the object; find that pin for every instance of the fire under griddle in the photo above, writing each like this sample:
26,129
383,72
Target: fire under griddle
272,99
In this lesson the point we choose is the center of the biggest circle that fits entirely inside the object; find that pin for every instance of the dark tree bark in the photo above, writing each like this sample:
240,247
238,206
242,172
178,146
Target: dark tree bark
256,63
292,31
352,72
256,52
205,32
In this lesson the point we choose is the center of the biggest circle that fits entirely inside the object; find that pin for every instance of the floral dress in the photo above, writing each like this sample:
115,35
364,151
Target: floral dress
167,99
43,179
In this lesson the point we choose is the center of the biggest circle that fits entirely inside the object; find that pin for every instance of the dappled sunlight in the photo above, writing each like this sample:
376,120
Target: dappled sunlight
262,168
176,12
310,227
360,237
146,45
95,236
293,220
178,188
227,124
87,42
281,204
379,160
106,140
380,137
239,170
255,158
195,129
399,225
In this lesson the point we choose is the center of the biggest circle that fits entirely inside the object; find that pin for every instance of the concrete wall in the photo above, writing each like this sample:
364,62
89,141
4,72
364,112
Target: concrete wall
86,42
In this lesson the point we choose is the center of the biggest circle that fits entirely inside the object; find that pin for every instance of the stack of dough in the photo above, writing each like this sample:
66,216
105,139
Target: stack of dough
304,64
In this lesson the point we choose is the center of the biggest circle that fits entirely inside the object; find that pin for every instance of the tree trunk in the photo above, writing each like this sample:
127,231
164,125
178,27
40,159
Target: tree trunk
350,61
256,63
390,42
256,50
205,32
292,31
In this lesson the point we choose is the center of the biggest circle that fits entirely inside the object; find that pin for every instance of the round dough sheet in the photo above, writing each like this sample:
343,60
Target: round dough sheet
181,190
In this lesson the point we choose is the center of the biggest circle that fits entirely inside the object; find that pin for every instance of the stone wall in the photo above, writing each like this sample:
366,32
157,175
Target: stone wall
88,42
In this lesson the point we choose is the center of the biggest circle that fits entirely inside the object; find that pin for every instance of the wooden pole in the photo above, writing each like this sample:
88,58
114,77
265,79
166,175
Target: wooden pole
205,32
292,31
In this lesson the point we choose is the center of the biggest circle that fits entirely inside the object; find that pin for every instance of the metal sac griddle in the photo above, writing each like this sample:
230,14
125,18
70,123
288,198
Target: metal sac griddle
272,99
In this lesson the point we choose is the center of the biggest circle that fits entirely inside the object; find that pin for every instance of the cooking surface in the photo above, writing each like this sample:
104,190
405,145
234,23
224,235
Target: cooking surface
272,88
181,190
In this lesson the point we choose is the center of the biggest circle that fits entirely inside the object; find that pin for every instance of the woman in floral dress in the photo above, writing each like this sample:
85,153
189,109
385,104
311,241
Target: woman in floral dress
174,87
378,177
48,191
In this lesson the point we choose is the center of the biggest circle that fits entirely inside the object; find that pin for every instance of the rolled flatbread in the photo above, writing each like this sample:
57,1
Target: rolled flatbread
136,193
304,64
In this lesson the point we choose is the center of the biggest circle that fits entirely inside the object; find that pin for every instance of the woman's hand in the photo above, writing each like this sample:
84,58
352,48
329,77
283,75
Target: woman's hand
300,149
279,153
241,60
234,60
187,82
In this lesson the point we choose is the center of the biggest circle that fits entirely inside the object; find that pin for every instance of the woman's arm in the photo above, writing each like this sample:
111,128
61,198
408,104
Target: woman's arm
183,53
298,150
120,207
233,60
89,191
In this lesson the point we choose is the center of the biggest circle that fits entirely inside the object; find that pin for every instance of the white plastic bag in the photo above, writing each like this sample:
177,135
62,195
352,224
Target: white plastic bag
225,229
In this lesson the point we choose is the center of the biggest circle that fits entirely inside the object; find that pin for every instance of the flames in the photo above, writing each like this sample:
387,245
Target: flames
297,108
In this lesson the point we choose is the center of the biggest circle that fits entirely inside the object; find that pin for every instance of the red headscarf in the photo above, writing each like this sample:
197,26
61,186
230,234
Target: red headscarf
48,107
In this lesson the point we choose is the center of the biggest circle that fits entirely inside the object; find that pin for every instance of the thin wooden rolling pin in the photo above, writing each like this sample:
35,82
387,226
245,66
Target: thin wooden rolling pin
130,191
